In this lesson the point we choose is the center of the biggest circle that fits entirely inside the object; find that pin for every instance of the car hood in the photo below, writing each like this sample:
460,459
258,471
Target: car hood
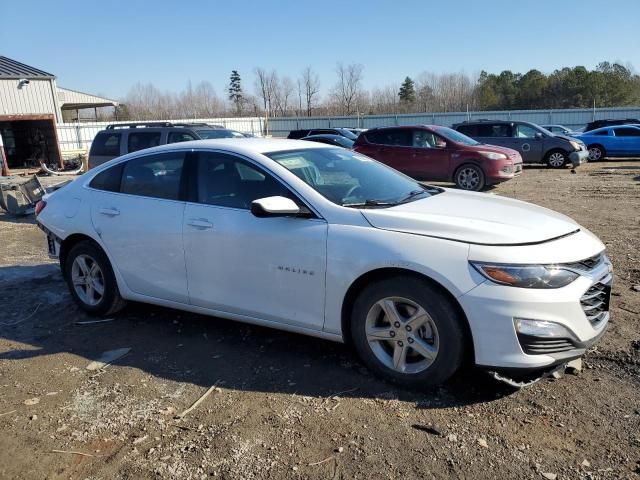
485,147
478,218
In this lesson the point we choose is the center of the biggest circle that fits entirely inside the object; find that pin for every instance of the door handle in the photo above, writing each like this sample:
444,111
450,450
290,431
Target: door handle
200,223
110,212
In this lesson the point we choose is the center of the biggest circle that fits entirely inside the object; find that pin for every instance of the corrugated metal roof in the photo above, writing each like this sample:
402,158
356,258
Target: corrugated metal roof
13,69
74,99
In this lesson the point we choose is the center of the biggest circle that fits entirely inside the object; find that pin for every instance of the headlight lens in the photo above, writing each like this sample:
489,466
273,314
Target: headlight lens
494,155
526,276
575,145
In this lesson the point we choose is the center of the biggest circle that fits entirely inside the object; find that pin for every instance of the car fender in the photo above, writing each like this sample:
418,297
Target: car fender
354,251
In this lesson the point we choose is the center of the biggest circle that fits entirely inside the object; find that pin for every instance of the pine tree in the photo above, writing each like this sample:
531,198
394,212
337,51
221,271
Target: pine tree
235,91
407,92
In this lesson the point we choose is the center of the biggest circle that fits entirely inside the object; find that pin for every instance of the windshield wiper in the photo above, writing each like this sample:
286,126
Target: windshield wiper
370,203
412,194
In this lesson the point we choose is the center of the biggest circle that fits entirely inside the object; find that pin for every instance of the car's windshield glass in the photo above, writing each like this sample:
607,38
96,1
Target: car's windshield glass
547,132
348,133
455,136
218,133
350,179
344,141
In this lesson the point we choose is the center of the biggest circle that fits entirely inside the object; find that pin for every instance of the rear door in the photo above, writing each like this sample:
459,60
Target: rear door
393,147
527,143
430,156
139,221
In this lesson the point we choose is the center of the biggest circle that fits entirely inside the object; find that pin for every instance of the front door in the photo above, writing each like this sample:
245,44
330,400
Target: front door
528,143
140,224
267,268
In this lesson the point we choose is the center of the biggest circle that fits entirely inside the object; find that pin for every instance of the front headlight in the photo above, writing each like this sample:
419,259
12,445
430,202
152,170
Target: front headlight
526,276
576,146
494,155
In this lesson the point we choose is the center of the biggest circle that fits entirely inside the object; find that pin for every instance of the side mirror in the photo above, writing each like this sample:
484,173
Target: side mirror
539,135
274,207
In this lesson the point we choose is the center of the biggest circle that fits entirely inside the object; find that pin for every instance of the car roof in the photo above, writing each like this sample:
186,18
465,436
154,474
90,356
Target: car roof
247,146
324,135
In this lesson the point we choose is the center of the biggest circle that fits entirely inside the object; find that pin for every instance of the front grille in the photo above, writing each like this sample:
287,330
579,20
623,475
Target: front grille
586,264
543,346
595,301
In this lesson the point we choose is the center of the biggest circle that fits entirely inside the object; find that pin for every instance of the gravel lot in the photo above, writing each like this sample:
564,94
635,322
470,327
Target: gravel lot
287,406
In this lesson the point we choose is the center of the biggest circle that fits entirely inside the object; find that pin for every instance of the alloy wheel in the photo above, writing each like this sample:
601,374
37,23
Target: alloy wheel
595,154
468,178
556,159
87,279
402,335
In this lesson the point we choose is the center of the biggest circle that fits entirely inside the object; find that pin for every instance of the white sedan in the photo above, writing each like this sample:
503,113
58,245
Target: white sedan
326,242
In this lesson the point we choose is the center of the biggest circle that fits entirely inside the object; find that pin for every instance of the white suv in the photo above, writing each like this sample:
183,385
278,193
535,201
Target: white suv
327,242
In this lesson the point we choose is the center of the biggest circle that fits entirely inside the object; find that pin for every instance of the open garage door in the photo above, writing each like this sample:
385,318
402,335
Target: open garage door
30,140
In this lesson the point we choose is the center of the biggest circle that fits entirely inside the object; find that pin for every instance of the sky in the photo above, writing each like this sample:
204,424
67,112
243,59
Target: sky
106,47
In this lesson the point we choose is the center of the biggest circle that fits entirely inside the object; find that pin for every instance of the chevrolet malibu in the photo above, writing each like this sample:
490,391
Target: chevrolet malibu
327,242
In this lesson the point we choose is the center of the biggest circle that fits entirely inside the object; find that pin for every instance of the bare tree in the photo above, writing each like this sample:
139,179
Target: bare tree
311,84
349,86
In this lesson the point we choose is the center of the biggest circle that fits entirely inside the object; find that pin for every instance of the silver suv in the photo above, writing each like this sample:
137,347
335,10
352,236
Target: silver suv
535,144
122,138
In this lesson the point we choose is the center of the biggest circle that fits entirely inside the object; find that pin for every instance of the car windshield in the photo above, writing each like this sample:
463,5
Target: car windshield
545,131
207,134
344,141
350,179
455,136
347,133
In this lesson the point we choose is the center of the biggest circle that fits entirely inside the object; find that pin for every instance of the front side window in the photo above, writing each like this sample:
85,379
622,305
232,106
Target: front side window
141,140
177,137
350,179
525,131
226,181
107,144
627,132
157,176
602,132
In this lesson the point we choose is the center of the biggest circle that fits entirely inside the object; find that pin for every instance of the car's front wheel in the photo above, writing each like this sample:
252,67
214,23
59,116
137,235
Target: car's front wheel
91,280
408,332
469,177
557,159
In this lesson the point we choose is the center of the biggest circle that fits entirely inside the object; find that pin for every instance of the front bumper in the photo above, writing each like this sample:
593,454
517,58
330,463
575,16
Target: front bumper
492,308
578,158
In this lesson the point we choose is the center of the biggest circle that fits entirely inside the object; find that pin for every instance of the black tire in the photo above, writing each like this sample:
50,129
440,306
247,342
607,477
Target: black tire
451,341
111,302
596,153
469,177
556,158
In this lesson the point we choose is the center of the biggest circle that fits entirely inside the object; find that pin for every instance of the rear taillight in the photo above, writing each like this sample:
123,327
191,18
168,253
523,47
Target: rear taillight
40,206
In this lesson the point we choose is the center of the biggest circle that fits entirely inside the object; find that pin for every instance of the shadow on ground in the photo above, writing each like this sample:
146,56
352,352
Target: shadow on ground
184,347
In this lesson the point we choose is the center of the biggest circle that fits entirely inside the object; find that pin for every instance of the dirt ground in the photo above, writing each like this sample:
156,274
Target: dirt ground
288,406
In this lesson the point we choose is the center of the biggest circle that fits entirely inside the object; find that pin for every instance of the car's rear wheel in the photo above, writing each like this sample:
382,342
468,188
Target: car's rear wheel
557,159
469,177
408,332
91,280
596,152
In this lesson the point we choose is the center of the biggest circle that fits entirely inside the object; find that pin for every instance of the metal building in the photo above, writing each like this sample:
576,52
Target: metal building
30,106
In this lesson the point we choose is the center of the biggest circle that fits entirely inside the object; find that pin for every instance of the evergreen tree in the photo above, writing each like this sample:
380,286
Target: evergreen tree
236,94
407,92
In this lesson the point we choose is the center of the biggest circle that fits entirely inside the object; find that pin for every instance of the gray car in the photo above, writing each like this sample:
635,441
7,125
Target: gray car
122,138
535,144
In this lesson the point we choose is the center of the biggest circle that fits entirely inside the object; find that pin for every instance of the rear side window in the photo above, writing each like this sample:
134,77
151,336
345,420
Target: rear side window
107,144
157,176
176,137
109,180
400,137
469,130
142,140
